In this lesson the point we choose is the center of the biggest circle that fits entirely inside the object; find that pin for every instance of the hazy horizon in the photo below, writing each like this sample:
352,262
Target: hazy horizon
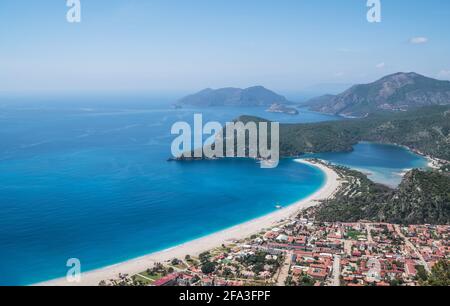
173,46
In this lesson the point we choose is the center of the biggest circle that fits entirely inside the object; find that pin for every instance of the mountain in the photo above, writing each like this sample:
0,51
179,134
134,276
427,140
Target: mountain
321,89
426,130
253,96
396,92
423,197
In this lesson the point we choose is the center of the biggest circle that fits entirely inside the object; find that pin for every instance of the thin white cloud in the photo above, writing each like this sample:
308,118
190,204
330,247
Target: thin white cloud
444,74
419,40
380,65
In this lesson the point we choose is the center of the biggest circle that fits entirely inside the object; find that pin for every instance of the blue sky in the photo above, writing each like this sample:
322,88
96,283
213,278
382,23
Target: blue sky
150,45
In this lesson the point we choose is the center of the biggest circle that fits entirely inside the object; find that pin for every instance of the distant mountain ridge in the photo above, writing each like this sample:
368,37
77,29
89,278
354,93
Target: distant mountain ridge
395,92
252,96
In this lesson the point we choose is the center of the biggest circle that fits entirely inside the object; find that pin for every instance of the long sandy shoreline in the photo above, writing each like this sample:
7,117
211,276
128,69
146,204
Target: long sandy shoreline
195,247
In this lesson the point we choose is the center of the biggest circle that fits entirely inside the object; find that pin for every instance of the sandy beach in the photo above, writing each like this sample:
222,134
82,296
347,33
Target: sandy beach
198,246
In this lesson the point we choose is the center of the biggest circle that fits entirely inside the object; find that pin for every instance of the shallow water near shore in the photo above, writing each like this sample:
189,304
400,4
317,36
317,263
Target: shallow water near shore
383,164
91,181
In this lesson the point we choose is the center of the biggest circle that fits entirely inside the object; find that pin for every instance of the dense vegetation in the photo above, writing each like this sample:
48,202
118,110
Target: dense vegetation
422,198
426,130
253,96
440,275
399,91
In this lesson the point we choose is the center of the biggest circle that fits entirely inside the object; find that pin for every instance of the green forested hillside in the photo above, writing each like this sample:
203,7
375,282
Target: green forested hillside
426,130
422,198
399,91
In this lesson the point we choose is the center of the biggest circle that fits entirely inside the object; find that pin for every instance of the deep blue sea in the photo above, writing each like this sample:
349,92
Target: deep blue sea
88,178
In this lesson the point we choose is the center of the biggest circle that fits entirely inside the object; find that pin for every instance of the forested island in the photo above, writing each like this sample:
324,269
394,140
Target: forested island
236,97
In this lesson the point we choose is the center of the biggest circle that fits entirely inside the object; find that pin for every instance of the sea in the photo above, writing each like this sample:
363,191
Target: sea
88,177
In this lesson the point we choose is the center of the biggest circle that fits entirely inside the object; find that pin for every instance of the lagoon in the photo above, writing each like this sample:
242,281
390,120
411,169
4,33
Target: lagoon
89,180
382,163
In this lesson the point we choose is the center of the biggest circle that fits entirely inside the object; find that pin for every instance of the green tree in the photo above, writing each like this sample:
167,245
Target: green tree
421,273
305,281
208,267
175,262
204,257
440,275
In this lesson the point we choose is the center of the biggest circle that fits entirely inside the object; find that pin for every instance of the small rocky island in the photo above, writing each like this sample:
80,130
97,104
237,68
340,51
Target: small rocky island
280,108
237,97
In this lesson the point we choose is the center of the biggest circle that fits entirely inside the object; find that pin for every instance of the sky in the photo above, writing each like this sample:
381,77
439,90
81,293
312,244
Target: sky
188,45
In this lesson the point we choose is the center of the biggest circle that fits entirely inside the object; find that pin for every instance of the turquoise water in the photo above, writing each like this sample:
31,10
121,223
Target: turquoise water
384,164
90,180
93,182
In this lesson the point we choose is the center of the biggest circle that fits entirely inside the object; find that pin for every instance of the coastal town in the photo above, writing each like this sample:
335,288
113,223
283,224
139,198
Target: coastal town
296,249
302,252
293,246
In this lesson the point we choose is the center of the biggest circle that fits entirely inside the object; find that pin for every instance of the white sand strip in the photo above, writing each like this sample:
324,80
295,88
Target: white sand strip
195,247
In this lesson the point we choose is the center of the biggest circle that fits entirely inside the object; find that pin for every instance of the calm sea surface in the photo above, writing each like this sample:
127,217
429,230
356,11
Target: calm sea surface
88,179
384,164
